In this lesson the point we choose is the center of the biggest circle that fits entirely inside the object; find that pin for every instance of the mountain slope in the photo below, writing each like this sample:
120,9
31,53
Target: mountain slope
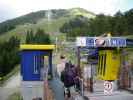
81,11
50,21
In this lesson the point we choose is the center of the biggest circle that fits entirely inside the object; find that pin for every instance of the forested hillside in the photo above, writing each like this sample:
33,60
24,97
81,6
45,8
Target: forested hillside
48,20
118,25
9,55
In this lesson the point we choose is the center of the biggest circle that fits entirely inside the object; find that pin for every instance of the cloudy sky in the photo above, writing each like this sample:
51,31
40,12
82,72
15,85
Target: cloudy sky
14,8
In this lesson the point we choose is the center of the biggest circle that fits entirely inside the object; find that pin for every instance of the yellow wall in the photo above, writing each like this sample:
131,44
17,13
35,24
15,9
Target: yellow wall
108,64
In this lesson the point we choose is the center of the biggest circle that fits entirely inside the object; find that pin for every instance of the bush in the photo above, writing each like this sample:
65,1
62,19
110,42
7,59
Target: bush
9,55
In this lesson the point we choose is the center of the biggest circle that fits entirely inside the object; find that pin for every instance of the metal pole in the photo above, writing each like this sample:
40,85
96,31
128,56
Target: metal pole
56,41
78,62
91,80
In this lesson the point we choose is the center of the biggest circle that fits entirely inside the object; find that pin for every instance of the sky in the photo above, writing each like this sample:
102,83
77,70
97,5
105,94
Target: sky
13,8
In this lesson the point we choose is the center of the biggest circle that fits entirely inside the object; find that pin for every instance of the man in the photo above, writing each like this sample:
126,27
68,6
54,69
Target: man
61,65
69,75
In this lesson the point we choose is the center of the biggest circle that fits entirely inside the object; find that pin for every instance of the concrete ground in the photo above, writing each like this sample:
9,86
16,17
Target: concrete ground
11,86
57,88
120,95
98,93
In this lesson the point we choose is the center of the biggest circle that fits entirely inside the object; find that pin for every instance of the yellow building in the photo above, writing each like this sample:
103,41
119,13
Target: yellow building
108,64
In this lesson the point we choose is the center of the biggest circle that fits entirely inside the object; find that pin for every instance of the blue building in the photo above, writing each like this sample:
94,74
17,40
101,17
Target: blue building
36,66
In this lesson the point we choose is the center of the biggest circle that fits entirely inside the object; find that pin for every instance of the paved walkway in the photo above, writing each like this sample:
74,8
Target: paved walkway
131,88
119,95
98,94
13,82
11,86
57,88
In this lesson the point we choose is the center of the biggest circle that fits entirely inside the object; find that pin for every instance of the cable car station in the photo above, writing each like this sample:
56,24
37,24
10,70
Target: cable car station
36,67
107,52
104,60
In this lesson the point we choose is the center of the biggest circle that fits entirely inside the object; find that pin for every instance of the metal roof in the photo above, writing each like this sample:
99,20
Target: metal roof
36,47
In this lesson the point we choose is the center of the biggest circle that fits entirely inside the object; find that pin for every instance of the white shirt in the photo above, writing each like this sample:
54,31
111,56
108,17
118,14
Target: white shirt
60,67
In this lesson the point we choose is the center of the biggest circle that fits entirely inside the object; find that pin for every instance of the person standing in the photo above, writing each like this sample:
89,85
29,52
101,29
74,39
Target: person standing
68,78
61,65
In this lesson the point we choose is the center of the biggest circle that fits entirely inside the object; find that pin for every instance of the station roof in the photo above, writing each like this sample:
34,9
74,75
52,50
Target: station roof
36,47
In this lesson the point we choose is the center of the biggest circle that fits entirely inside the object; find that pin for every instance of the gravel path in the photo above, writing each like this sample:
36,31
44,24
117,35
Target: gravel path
11,86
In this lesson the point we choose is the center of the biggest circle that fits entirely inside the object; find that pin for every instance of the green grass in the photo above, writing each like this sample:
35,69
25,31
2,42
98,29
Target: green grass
80,11
52,26
0,78
20,31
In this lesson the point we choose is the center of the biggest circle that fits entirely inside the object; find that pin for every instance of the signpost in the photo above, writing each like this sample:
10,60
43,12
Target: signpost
108,87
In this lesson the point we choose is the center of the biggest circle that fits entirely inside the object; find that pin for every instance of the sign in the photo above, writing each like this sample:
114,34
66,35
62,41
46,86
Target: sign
129,42
117,41
108,87
101,42
90,41
81,41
